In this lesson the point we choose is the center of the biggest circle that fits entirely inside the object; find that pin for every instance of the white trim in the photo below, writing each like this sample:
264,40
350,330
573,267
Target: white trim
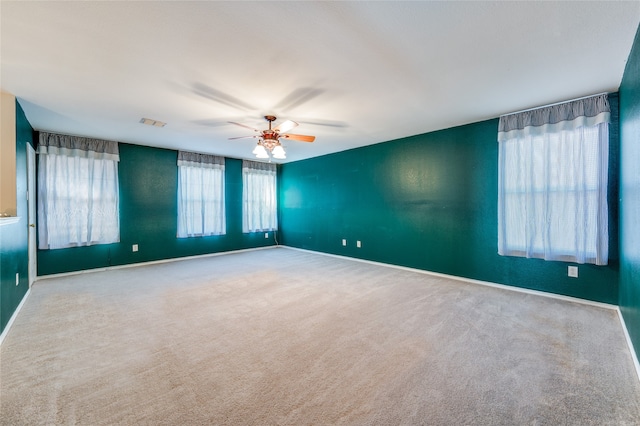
151,262
9,220
13,317
629,343
472,281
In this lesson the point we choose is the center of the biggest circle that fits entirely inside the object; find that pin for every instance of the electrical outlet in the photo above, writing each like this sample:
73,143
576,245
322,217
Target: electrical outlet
344,242
358,244
572,271
134,248
17,278
266,235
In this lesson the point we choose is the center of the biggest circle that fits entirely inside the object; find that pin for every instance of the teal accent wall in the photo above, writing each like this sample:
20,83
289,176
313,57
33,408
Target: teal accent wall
429,202
148,179
14,239
630,195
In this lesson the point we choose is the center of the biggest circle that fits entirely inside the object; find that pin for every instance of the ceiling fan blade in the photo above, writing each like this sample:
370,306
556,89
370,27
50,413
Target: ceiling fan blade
243,125
298,97
285,126
243,137
301,138
327,123
208,92
210,122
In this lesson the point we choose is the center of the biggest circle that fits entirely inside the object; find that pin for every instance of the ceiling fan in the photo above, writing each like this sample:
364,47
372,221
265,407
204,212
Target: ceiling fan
269,140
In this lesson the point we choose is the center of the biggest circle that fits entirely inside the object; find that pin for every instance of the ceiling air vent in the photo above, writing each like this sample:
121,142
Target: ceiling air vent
151,122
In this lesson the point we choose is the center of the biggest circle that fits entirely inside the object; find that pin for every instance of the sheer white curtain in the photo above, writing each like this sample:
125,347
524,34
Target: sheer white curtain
552,182
77,191
259,212
201,208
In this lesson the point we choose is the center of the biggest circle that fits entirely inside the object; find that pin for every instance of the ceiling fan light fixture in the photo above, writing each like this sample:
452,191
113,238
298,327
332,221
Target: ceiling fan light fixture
260,151
278,152
269,143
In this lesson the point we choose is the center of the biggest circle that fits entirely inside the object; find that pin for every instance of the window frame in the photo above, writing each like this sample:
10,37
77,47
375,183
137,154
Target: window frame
552,186
263,201
205,176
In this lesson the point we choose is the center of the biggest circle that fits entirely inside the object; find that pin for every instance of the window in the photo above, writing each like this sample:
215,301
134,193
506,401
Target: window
201,209
552,182
259,212
77,191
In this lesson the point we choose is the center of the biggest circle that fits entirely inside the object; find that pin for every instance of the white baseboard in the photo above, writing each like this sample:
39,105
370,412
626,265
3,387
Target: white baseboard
13,317
469,280
629,343
151,262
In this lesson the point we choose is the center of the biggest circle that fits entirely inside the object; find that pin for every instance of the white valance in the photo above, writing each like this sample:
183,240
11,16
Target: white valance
76,146
258,166
194,159
586,112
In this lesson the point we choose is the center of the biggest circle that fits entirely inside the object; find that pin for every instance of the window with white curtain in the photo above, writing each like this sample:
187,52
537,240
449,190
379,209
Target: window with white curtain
552,182
77,191
201,210
259,212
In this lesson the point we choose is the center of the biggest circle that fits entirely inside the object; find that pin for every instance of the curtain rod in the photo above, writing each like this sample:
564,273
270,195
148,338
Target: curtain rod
556,103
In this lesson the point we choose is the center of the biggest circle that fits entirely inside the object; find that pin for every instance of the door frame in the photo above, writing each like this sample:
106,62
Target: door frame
31,215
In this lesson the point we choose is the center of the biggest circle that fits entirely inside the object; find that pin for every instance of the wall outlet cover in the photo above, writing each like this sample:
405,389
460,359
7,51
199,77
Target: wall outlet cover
134,247
358,244
573,271
344,242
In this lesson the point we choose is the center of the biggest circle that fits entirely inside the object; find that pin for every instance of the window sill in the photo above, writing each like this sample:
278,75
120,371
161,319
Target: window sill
9,220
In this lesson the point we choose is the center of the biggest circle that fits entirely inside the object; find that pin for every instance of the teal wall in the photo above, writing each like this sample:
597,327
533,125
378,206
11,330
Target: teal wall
14,238
630,195
148,179
429,202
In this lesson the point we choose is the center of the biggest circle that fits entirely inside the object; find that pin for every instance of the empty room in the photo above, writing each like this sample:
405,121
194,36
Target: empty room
318,213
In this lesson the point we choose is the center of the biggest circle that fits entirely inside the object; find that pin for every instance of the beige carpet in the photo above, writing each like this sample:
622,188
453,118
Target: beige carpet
287,337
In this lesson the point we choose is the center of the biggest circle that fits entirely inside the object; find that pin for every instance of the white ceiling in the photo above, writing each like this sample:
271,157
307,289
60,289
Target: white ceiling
351,73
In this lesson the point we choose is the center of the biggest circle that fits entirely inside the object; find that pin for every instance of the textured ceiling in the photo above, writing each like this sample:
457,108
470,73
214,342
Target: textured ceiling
351,73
